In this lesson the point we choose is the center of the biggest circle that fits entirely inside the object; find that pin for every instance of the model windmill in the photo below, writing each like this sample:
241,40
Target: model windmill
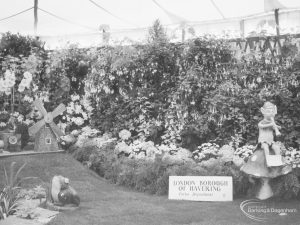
46,131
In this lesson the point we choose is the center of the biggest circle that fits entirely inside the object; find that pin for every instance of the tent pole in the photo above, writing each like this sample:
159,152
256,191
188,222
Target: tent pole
276,14
277,21
35,16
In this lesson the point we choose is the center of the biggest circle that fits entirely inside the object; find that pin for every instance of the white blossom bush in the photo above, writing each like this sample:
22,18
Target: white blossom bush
143,150
25,82
206,151
77,115
292,157
125,134
245,151
7,82
167,148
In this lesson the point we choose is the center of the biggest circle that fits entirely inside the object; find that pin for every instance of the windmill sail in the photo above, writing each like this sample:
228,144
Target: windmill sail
39,105
59,110
56,129
36,127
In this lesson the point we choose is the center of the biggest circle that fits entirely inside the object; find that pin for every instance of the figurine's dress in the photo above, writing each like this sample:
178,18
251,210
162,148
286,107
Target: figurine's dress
256,164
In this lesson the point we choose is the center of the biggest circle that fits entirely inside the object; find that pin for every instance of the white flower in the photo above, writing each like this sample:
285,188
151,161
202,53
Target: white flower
28,75
20,118
75,97
173,147
10,83
9,75
78,109
124,134
69,110
21,88
35,88
2,124
85,116
28,99
78,121
28,121
26,83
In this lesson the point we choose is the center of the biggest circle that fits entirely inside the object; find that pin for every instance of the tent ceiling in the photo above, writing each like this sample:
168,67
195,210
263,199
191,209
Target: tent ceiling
123,14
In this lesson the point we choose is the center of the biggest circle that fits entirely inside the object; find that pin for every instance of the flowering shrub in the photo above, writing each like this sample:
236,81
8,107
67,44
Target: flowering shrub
292,157
124,134
152,176
25,82
245,151
206,151
7,82
77,115
192,93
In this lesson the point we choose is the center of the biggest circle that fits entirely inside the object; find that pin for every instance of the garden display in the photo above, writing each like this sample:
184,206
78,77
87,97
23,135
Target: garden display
138,114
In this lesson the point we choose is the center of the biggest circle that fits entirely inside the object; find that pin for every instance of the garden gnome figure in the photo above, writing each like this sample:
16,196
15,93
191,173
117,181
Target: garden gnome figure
266,162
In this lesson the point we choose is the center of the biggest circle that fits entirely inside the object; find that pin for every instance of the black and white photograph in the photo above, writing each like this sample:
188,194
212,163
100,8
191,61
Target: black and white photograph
149,112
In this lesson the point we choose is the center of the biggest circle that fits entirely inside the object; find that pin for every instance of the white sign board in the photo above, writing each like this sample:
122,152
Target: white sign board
200,188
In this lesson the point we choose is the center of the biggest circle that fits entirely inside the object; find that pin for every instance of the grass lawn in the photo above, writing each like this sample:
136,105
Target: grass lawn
107,204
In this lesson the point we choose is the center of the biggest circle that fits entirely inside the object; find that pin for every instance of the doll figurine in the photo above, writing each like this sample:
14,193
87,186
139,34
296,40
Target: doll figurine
257,165
266,128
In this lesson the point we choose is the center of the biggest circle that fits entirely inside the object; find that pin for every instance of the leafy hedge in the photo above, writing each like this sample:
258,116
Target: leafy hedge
194,92
185,93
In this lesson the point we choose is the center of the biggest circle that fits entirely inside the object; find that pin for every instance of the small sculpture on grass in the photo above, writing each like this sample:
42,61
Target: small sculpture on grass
62,194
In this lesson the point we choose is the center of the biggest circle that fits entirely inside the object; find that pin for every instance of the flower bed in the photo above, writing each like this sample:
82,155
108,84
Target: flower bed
146,167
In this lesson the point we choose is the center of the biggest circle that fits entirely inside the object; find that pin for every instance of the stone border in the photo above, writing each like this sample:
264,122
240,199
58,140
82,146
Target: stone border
5,154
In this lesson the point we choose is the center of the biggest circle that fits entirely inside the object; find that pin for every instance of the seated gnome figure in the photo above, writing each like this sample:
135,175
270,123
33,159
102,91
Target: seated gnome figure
62,193
266,162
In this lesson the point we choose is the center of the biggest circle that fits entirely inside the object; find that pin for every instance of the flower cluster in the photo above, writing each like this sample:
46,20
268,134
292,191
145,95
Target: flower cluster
245,151
292,157
167,148
8,82
138,149
206,151
17,117
124,134
28,99
25,82
78,113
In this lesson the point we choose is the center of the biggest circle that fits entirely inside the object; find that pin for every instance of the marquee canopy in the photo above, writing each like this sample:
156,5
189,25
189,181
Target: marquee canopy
85,17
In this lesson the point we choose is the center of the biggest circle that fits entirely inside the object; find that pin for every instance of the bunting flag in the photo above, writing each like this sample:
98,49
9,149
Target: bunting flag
251,43
270,5
243,45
